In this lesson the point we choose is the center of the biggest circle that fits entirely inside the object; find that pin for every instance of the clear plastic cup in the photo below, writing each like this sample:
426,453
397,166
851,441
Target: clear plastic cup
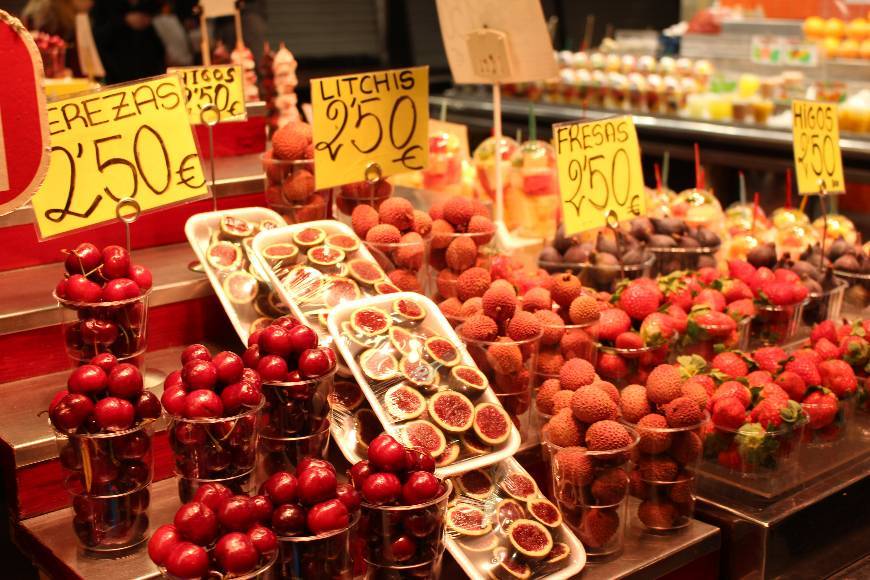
405,263
664,474
119,327
775,325
627,366
265,571
705,342
289,188
669,260
821,439
431,569
591,490
825,305
240,484
296,409
110,524
347,197
423,523
442,278
214,449
323,556
276,453
857,295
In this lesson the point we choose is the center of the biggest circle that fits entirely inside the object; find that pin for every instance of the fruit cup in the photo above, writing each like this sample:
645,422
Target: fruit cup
326,555
774,325
824,429
425,570
663,475
452,254
110,524
591,490
220,449
626,366
348,196
509,366
601,276
299,408
289,187
562,342
703,343
533,190
825,305
399,536
857,295
669,260
118,327
276,453
406,263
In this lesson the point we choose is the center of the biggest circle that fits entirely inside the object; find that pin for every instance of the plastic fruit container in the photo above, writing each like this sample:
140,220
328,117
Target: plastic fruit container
119,328
774,325
626,366
296,409
348,196
669,260
532,190
444,172
825,305
111,524
821,439
289,189
326,555
276,454
405,263
705,341
241,484
441,277
591,489
663,475
212,449
601,277
857,295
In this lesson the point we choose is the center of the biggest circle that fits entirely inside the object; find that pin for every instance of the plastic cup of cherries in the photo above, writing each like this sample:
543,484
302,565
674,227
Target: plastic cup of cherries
403,506
216,534
103,423
214,402
105,302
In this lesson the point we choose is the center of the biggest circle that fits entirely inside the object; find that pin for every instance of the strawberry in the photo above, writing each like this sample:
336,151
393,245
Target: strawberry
611,366
821,408
729,413
705,381
792,384
827,349
731,364
770,358
712,298
708,275
732,389
838,377
735,289
630,341
730,459
778,292
741,269
679,318
825,329
806,368
767,413
856,350
740,309
759,277
786,275
758,378
657,329
639,300
681,298
773,391
714,324
612,322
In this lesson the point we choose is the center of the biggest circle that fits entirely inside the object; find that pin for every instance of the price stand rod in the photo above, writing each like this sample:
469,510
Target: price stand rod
823,193
210,123
496,125
129,218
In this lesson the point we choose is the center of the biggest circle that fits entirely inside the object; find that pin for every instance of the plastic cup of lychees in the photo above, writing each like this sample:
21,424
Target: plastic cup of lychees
290,191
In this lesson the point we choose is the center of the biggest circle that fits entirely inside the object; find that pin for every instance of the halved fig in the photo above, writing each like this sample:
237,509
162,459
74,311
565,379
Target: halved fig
357,338
404,403
403,341
367,426
384,287
378,364
240,287
309,237
480,543
365,271
233,227
263,307
303,283
268,224
425,435
370,321
224,256
530,538
515,567
259,324
281,253
418,372
468,520
325,258
545,512
468,380
452,411
343,242
276,303
346,395
408,310
559,552
519,485
337,290
491,423
450,455
476,484
507,512
473,444
442,351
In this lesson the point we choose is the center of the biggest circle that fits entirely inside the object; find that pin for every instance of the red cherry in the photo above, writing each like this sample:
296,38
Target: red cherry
116,262
262,508
421,486
132,446
58,396
417,460
87,380
316,484
174,400
197,523
387,454
235,553
147,406
141,276
213,495
251,356
114,414
203,404
360,472
263,539
199,374
71,412
162,542
60,289
272,368
251,377
287,321
187,560
80,289
229,367
236,513
119,289
195,352
281,487
288,519
104,360
315,362
254,337
125,381
293,377
348,496
84,258
309,461
174,379
327,516
302,338
99,331
381,488
402,549
276,340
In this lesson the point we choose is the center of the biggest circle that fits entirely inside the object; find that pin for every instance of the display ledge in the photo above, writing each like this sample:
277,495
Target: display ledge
26,304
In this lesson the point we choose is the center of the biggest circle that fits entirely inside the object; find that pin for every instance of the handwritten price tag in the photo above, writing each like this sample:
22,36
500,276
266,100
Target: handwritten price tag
817,158
218,85
380,117
600,174
130,140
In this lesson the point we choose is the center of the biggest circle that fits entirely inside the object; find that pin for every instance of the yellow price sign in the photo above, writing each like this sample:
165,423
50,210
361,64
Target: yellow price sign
817,157
218,85
123,141
600,175
370,124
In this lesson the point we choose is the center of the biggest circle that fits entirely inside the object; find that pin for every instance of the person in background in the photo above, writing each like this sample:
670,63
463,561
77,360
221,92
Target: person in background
129,46
174,37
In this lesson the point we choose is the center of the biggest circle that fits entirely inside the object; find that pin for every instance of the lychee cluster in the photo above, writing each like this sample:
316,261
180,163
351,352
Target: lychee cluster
395,233
290,174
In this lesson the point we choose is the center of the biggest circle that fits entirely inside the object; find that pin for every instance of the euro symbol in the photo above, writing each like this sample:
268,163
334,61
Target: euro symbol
408,156
183,179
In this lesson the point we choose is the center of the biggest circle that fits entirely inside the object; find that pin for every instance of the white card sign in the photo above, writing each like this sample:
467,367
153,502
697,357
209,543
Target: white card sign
524,53
215,8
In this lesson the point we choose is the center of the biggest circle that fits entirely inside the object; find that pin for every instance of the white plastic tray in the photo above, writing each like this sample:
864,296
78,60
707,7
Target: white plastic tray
198,229
435,321
474,562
